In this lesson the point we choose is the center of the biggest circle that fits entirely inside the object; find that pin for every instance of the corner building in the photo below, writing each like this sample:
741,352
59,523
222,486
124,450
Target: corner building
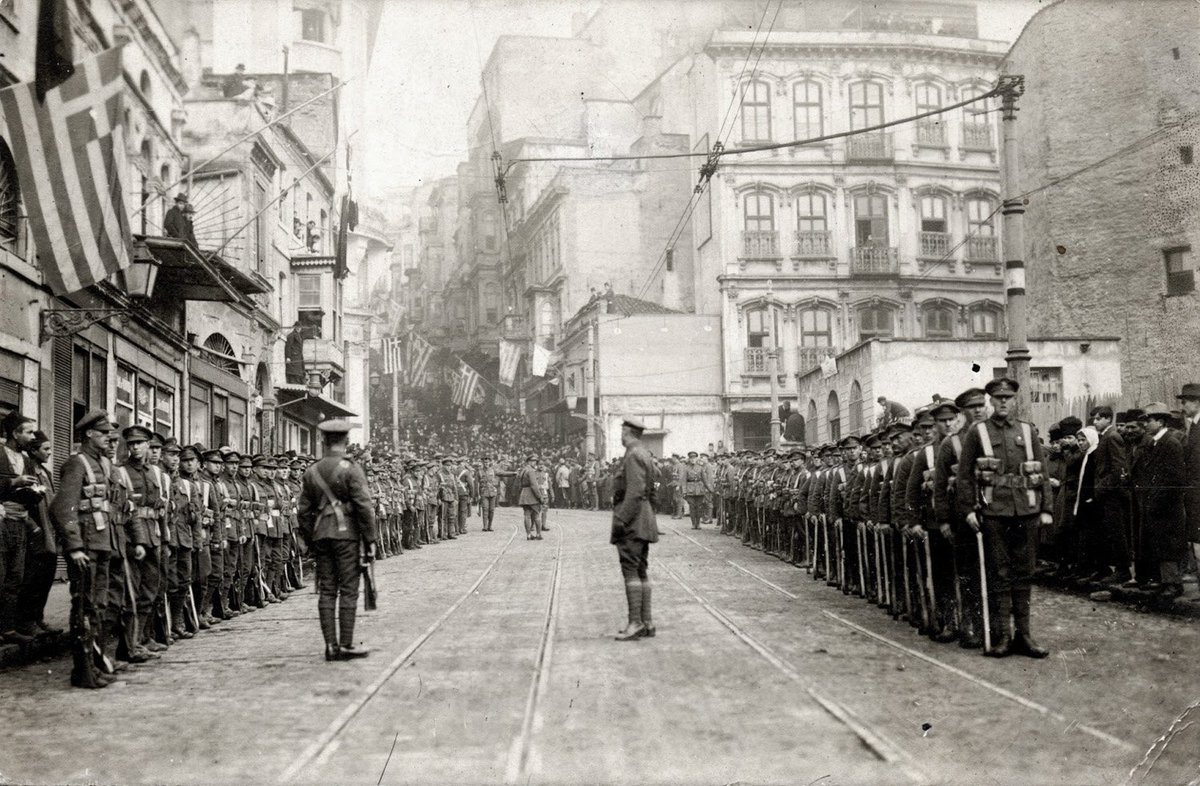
812,250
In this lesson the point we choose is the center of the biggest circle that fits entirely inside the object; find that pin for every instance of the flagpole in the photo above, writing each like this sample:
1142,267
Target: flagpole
395,408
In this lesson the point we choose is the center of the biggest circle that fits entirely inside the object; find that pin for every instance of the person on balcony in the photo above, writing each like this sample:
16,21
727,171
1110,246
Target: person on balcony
177,223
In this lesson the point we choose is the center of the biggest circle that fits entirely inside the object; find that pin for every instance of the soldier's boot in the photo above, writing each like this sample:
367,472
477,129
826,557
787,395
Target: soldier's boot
1002,643
633,598
178,624
1023,643
647,619
145,620
349,651
83,672
233,599
329,630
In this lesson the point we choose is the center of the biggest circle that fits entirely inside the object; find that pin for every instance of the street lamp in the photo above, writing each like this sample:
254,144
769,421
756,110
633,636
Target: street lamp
140,278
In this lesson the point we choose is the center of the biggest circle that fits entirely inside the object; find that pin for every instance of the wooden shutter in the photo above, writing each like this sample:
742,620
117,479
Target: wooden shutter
63,405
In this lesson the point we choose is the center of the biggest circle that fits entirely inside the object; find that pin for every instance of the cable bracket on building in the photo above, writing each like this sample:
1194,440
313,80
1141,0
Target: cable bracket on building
498,166
709,167
1010,87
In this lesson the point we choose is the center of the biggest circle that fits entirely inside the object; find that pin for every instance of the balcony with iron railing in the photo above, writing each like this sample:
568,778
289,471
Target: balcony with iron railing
934,245
814,244
760,244
808,358
756,362
983,248
931,133
874,260
977,136
873,146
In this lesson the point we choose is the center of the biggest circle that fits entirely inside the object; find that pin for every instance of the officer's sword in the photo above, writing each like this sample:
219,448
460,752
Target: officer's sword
192,607
862,548
841,543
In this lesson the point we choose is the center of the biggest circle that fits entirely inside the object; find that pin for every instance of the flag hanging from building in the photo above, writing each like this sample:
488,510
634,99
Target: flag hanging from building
510,358
541,359
393,355
419,352
70,156
466,388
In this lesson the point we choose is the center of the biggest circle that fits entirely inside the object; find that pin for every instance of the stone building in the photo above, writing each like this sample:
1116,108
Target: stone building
1110,99
811,250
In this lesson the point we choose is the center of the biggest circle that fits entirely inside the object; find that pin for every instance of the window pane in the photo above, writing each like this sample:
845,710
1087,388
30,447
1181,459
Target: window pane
806,99
145,403
79,376
98,384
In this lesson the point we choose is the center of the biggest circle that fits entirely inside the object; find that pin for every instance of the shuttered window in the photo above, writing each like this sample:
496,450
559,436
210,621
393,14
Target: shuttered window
62,360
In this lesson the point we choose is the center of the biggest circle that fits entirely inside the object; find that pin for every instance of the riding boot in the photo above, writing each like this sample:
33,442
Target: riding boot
178,625
328,625
1023,643
349,650
633,599
647,620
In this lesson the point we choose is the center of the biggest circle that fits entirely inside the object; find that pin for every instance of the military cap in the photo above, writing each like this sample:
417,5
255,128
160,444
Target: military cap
943,406
225,450
633,424
825,450
849,441
171,446
899,427
872,441
1191,390
157,440
531,457
335,426
188,452
94,419
1157,410
135,433
211,455
1070,425
246,461
923,416
969,397
259,460
232,457
448,460
692,453
1002,387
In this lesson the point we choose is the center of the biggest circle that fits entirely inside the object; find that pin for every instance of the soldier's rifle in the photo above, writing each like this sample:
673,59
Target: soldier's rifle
929,581
862,556
366,566
987,623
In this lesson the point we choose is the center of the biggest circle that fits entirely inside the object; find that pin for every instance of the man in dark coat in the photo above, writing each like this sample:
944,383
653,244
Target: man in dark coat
530,498
1190,402
1159,480
337,519
634,527
1112,466
177,222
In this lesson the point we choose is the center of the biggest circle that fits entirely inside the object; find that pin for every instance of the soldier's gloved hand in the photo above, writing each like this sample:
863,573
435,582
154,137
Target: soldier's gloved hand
139,552
242,540
1046,519
370,551
946,531
80,558
973,520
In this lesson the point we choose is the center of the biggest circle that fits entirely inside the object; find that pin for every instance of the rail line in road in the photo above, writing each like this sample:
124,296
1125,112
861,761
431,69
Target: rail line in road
327,740
522,763
1002,692
875,740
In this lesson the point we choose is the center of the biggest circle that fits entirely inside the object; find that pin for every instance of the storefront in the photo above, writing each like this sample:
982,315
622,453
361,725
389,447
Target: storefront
218,405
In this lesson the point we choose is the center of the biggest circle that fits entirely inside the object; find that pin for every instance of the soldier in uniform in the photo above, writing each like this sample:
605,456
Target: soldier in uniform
430,491
935,538
464,483
488,483
202,528
448,496
410,490
634,528
81,513
1004,493
590,477
337,523
181,520
296,467
529,497
694,487
144,572
222,538
234,576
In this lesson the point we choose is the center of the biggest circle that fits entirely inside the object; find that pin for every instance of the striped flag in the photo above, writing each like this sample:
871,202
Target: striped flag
70,156
393,355
419,352
466,387
510,358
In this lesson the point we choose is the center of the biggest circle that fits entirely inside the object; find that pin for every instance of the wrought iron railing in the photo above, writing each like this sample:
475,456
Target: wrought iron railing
935,245
874,261
977,136
875,146
760,244
814,244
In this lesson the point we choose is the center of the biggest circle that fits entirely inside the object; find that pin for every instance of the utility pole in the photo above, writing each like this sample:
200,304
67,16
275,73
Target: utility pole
772,369
589,388
1011,88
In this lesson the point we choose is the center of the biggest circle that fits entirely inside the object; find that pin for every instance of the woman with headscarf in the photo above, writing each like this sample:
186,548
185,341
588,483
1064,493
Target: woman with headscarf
1085,511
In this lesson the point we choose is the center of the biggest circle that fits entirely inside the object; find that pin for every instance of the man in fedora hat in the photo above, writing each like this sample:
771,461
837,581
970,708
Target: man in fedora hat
634,527
1160,485
1189,400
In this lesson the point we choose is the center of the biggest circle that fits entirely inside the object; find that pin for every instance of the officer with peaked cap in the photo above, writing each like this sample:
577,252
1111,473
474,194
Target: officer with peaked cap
337,522
142,565
634,527
1003,492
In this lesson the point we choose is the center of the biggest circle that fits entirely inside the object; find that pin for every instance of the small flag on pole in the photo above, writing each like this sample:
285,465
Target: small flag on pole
419,352
541,359
466,386
393,357
510,358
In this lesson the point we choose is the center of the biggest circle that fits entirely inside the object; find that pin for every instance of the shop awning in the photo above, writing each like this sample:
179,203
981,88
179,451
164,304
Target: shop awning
191,275
299,405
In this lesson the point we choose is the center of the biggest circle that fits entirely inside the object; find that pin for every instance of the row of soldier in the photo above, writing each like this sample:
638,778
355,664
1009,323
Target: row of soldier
906,517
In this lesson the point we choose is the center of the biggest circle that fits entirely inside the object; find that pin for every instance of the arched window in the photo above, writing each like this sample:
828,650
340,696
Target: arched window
870,220
935,241
756,112
985,322
762,326
546,324
221,353
939,322
808,110
866,104
977,124
10,204
876,321
930,130
810,423
816,327
856,418
759,211
833,411
491,304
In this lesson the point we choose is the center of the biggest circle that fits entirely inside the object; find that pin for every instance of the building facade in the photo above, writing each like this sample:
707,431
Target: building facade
1110,249
810,250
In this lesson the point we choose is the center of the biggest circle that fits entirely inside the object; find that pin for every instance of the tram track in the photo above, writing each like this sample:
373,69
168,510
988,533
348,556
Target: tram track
974,679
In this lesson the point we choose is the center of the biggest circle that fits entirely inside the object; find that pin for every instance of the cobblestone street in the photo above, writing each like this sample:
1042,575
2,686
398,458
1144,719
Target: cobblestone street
494,661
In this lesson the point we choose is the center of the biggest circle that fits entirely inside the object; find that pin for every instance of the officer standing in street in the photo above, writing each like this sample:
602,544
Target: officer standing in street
1004,492
337,523
488,483
634,528
694,487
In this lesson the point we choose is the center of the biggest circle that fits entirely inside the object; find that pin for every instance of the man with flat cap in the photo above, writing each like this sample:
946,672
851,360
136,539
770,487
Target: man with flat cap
82,515
634,527
1004,492
1160,485
337,523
